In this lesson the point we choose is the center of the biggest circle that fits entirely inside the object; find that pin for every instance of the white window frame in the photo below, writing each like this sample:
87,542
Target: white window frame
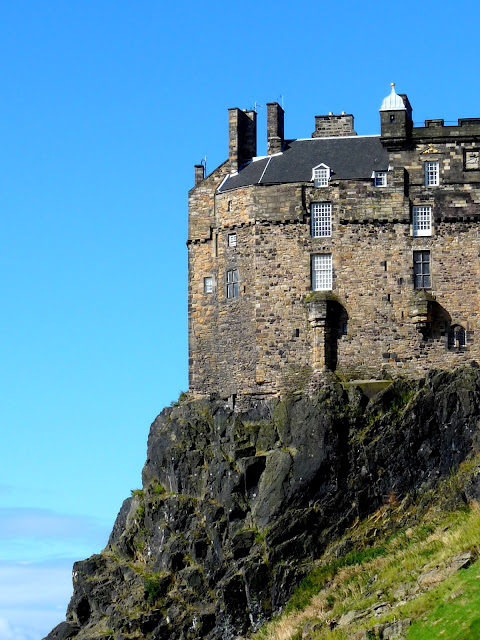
380,178
321,175
321,219
208,284
421,221
432,173
232,280
232,239
322,272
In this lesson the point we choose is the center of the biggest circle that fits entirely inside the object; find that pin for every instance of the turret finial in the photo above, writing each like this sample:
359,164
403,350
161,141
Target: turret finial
392,101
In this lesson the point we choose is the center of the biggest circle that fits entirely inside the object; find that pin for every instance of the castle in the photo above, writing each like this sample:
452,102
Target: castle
358,254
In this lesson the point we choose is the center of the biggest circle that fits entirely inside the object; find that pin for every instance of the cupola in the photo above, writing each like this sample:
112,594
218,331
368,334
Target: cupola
395,119
393,102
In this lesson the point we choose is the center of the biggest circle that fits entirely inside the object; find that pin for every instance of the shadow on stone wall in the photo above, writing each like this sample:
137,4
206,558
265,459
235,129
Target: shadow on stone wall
337,325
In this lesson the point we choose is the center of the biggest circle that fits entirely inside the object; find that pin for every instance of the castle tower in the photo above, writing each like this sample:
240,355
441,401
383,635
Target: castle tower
395,119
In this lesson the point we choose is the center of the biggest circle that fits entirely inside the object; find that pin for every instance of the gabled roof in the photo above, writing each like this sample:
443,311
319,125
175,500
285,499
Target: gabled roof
349,158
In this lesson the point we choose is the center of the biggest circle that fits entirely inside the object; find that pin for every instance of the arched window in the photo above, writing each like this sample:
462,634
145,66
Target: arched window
457,337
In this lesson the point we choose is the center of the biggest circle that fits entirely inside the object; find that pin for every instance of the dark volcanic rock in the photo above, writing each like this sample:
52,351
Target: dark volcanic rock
236,506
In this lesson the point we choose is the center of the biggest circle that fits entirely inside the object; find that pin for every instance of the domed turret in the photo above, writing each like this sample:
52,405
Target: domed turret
393,102
395,119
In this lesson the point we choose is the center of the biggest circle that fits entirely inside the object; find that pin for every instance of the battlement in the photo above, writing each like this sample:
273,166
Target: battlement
466,128
355,254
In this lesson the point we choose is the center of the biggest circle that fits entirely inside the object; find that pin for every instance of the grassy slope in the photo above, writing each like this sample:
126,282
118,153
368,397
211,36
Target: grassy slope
391,550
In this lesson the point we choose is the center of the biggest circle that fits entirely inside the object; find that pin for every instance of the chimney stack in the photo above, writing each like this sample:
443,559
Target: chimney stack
199,173
333,125
242,137
275,128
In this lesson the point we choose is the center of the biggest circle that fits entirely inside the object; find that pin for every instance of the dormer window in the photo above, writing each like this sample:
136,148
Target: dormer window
321,175
380,178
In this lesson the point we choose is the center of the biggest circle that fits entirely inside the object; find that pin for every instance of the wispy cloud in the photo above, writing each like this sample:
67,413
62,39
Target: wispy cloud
38,548
33,598
44,522
29,625
30,535
9,632
36,585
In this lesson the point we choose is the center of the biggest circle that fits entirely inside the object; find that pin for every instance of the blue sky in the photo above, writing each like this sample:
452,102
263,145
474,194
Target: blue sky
106,107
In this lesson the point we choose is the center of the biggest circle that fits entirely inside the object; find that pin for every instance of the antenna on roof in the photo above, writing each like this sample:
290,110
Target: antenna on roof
204,163
257,106
280,97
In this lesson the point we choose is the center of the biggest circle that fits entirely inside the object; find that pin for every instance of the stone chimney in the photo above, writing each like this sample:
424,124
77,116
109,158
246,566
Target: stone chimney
242,137
199,173
275,131
332,125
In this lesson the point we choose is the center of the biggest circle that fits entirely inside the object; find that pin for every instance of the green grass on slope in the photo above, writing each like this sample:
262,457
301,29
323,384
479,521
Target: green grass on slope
410,542
316,580
457,616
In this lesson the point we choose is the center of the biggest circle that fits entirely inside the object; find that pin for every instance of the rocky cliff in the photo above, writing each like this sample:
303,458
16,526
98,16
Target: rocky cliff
235,506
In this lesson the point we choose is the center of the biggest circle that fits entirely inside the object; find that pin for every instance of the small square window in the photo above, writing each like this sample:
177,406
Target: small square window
208,285
321,220
421,221
232,283
232,239
421,269
432,175
380,178
322,272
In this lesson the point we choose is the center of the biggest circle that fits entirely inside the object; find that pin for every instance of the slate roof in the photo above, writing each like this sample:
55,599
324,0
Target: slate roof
354,157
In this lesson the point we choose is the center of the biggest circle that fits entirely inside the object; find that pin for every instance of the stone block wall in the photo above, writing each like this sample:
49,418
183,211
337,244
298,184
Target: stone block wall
265,341
333,125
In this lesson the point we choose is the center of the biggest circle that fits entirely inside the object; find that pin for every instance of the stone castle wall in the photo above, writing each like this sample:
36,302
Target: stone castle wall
263,342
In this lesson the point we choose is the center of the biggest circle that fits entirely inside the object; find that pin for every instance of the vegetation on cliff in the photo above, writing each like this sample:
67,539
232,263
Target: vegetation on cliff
402,580
335,490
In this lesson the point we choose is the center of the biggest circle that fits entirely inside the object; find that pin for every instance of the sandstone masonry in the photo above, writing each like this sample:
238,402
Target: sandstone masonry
358,254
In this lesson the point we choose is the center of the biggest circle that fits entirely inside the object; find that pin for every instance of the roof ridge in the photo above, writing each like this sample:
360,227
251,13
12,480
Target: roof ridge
372,135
